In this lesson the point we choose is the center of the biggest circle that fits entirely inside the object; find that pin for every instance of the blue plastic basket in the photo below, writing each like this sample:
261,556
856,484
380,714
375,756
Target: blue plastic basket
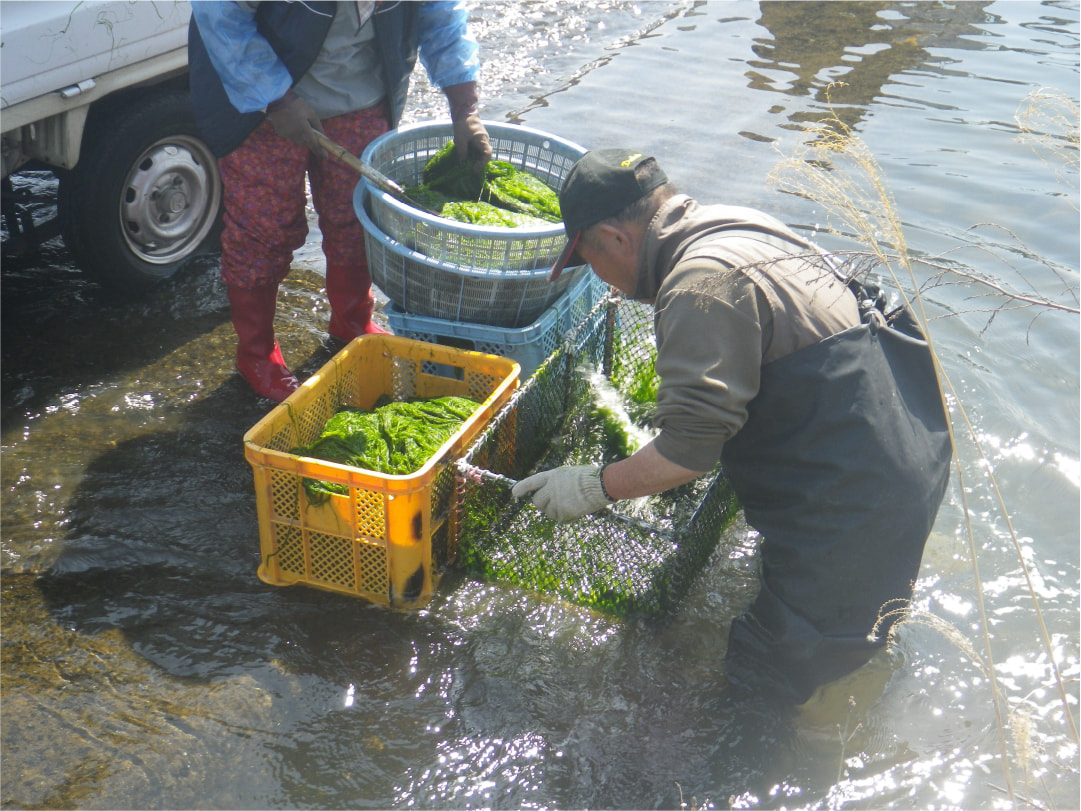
528,345
401,155
421,285
432,266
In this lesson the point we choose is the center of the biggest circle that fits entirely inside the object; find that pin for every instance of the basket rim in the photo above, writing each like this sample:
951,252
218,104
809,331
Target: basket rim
506,371
481,332
506,274
497,128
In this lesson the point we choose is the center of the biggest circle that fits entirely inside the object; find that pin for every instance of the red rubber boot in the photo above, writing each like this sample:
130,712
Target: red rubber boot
349,290
258,356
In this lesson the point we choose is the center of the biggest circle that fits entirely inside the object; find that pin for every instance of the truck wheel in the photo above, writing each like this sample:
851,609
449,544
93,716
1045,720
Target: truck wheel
145,195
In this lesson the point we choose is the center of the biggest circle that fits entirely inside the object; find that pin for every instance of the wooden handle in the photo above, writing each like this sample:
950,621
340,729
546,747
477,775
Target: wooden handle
367,170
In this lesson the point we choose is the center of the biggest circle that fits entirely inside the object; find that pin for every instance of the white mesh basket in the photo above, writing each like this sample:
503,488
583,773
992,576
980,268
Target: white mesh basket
423,285
401,155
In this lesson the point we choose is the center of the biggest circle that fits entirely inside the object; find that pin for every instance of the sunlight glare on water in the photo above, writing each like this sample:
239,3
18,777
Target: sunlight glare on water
145,664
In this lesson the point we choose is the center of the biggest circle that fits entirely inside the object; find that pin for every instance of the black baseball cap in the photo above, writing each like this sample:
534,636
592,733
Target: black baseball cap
601,183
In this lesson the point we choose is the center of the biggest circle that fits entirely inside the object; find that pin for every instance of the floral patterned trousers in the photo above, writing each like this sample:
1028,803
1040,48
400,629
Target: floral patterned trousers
265,199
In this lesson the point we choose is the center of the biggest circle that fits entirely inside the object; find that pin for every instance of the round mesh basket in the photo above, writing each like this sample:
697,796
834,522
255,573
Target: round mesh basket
401,155
424,285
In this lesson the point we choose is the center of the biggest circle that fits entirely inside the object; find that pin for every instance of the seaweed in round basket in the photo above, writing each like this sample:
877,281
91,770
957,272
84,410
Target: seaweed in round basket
502,195
480,213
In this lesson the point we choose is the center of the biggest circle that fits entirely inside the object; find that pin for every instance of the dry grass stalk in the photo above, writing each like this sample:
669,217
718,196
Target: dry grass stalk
1049,122
838,171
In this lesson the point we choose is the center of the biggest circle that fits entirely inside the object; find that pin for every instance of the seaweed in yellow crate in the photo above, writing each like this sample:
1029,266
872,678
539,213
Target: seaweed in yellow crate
452,188
396,438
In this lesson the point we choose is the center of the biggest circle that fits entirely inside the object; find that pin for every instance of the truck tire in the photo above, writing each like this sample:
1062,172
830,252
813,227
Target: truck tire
145,195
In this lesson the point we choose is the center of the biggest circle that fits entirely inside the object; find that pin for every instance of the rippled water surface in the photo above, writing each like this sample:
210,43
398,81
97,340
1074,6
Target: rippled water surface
145,666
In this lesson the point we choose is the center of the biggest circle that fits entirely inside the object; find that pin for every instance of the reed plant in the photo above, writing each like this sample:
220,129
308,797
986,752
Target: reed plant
835,169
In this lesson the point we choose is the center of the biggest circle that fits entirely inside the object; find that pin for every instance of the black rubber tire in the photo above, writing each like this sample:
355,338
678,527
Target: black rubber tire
145,195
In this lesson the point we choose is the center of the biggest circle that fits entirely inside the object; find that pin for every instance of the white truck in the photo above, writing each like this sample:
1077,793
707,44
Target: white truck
97,92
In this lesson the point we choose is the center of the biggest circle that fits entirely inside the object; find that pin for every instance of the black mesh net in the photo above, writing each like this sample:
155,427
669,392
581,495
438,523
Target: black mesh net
590,402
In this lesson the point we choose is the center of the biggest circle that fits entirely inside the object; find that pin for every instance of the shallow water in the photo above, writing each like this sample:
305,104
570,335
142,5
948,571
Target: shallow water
145,666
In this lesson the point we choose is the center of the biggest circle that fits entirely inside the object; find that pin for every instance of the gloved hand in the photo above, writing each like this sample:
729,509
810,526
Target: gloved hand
294,119
565,493
470,137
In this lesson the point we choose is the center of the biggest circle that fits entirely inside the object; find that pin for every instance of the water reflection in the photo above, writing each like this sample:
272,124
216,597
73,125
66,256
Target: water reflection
844,54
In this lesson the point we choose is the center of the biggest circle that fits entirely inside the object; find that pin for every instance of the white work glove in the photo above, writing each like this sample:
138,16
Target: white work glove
565,493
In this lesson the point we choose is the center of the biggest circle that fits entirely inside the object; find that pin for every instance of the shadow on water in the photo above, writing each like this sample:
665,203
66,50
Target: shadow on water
155,610
162,543
152,608
162,536
160,556
849,54
62,331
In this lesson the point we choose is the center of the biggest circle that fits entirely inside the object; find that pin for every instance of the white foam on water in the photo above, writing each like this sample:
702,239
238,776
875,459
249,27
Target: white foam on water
608,397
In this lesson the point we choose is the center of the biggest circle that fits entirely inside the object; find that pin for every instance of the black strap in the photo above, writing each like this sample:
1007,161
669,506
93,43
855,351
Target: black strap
869,297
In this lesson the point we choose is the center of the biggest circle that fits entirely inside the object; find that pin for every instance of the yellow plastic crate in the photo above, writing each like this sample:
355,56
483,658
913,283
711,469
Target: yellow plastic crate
378,541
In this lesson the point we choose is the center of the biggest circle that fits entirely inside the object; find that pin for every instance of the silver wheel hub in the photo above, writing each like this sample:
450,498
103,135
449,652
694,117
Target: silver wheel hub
169,200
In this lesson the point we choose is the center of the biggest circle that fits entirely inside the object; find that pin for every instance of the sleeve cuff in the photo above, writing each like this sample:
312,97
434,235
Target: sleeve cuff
593,491
693,456
604,490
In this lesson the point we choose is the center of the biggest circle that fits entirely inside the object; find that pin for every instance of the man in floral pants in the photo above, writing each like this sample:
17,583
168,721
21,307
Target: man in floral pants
264,78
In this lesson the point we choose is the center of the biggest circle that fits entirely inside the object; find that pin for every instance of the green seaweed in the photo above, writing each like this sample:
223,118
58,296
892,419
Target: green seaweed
427,197
608,567
598,562
634,372
481,213
445,173
396,438
615,430
644,383
524,193
502,195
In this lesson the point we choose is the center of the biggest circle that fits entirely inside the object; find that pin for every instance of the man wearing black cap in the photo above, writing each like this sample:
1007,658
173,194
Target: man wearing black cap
825,412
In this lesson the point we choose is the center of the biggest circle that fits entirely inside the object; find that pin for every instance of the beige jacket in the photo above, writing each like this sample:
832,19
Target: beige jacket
733,289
